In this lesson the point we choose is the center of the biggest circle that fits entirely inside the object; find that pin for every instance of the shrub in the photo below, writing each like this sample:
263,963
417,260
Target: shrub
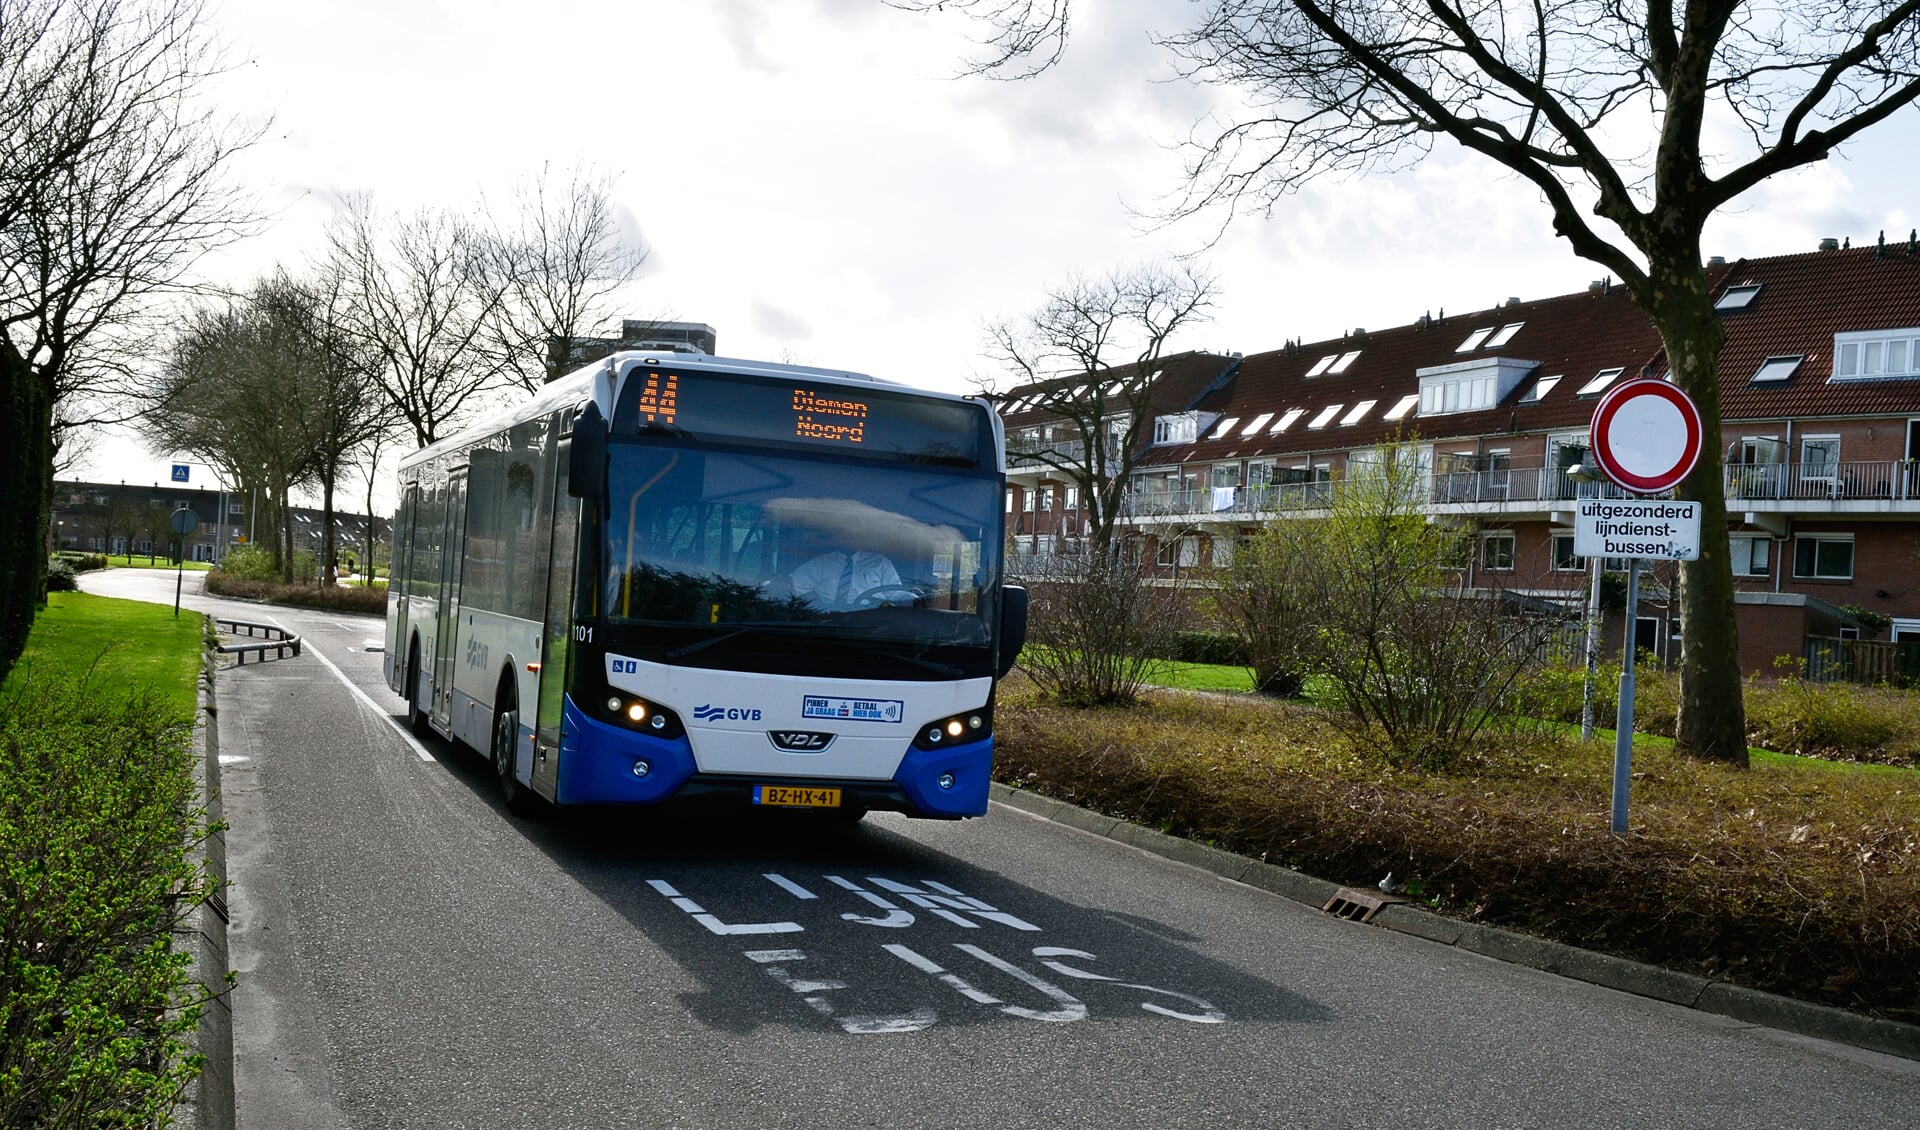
82,562
347,598
306,567
1095,628
251,562
60,576
95,811
1837,721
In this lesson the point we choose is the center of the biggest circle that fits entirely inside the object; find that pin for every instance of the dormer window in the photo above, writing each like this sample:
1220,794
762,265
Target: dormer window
1737,298
1181,427
1876,355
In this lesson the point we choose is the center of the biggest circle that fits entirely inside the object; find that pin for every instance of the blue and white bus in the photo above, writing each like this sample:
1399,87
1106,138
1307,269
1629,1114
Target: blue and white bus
670,575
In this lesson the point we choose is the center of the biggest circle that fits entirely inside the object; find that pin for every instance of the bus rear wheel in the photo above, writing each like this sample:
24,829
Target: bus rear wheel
416,717
506,738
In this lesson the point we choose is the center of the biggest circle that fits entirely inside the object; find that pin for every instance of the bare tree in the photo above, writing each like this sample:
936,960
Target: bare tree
1636,123
232,394
1087,358
561,258
420,292
112,183
341,406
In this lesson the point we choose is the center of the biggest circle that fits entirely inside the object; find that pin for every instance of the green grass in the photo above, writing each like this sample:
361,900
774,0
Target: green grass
142,561
125,644
1202,676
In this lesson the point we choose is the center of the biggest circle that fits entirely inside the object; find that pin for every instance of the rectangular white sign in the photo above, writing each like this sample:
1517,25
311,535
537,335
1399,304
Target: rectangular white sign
1636,527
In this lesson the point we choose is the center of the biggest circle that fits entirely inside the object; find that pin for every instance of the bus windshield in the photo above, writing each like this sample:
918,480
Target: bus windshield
799,565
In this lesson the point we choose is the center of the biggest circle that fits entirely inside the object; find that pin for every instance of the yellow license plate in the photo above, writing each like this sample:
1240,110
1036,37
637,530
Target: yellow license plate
786,797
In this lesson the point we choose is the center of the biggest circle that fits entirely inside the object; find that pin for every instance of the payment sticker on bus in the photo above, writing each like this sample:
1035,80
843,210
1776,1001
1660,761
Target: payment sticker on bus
856,709
785,796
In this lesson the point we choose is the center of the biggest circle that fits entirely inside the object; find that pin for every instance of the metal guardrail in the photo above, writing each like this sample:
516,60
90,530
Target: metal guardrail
279,641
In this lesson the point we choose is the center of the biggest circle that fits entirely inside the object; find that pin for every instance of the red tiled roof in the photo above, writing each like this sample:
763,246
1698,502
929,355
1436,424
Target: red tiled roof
1805,299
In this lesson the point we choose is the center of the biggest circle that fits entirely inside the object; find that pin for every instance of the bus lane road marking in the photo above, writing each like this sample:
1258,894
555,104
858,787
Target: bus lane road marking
399,726
815,983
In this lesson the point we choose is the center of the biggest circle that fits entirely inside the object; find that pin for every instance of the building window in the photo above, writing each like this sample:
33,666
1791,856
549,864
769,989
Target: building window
1819,458
1073,498
1259,422
1326,416
1046,498
1823,557
1403,406
1026,501
1320,366
1181,428
1564,559
1225,426
1357,413
1776,369
1496,553
1286,421
1473,341
1737,297
1505,335
1599,383
1876,354
1751,556
1540,388
1009,500
1346,360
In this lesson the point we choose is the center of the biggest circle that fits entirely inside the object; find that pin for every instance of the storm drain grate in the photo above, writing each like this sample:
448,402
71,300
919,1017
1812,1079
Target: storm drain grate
1358,904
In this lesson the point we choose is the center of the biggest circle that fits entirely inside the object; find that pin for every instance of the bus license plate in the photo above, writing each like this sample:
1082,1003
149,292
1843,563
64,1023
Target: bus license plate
786,797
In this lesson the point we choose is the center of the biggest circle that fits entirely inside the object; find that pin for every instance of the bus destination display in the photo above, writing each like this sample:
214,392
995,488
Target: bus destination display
723,407
829,418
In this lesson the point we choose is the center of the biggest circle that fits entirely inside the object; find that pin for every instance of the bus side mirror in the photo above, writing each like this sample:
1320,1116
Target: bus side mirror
587,459
1013,626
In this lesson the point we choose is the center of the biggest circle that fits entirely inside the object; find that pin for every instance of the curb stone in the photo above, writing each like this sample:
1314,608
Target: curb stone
208,1103
1688,990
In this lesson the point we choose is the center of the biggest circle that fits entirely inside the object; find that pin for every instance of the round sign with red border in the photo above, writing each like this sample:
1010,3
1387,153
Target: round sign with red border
1646,435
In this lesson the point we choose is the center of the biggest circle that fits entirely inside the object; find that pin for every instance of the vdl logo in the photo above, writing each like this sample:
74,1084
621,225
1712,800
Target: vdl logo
710,713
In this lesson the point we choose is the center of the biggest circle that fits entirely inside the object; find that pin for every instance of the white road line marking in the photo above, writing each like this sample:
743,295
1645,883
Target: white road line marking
399,727
789,886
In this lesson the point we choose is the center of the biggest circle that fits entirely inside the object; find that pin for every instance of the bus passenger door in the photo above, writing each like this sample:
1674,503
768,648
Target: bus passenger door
556,640
452,558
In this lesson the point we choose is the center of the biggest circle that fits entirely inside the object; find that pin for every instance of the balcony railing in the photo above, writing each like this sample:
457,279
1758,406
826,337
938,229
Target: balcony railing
1525,487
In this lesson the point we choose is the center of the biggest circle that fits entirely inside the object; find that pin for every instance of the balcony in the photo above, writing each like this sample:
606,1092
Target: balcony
1535,491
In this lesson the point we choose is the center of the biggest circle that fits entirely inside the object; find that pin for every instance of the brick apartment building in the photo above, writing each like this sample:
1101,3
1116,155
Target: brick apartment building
1820,415
130,518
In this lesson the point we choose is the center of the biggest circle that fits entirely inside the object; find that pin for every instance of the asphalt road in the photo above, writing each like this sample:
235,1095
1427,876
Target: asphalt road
411,956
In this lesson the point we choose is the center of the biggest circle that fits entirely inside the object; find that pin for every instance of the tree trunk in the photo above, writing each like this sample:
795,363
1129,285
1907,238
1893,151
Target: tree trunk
26,407
1712,715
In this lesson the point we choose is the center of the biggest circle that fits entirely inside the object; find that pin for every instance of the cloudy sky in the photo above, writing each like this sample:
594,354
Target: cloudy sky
814,180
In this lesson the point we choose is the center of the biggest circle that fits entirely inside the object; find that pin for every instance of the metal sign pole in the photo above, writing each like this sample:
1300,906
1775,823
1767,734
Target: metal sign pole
1623,724
1592,663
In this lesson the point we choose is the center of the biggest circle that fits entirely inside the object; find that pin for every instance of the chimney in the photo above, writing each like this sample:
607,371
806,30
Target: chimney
1829,244
1513,301
1595,287
1717,261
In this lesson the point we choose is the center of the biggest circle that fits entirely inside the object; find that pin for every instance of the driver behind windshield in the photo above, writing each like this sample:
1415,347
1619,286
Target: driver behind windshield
837,580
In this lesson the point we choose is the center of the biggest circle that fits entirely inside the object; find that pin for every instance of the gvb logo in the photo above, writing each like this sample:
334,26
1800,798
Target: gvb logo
711,713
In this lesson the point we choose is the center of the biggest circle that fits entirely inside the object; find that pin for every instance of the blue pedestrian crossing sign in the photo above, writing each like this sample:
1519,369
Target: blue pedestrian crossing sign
180,472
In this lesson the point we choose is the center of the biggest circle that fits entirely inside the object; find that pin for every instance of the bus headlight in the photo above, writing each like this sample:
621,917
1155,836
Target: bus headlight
968,727
635,713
